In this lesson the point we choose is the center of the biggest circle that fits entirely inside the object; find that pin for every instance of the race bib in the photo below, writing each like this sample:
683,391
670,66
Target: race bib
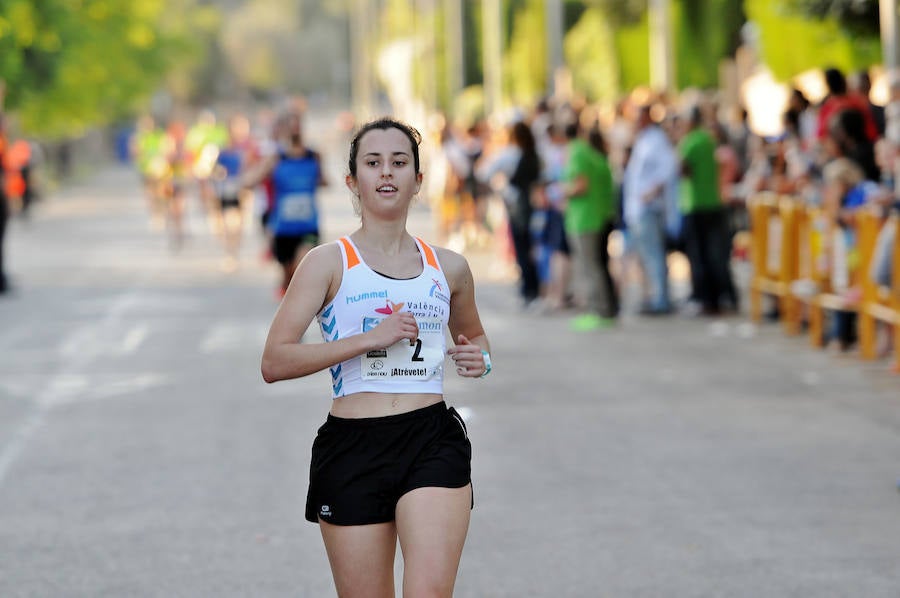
402,361
297,207
228,188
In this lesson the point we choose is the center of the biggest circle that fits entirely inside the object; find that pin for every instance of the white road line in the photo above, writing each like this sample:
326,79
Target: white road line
62,388
233,335
134,338
128,385
222,336
70,378
80,342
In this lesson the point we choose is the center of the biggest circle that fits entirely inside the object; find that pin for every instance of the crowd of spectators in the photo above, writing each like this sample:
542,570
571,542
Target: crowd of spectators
669,174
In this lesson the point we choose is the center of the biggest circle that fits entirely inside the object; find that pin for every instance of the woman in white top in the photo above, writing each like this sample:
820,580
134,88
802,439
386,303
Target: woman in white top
392,461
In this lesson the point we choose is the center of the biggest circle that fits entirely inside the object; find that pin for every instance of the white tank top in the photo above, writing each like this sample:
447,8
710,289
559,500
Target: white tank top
364,298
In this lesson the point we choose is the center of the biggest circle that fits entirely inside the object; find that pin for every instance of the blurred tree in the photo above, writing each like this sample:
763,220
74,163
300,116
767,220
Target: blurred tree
191,78
607,48
857,17
72,64
447,72
620,12
472,49
525,62
592,56
278,46
814,43
706,32
633,45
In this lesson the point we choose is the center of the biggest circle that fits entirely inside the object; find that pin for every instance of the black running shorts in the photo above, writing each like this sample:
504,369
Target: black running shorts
229,203
361,467
284,247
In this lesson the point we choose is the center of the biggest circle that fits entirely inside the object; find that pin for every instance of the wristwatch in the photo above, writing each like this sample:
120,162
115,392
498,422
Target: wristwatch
487,363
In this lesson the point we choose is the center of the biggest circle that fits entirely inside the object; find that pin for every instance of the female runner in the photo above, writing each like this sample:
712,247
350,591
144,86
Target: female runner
392,461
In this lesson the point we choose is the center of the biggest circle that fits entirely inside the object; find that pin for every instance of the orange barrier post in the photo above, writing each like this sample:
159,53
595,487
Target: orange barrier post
879,303
813,273
774,227
838,277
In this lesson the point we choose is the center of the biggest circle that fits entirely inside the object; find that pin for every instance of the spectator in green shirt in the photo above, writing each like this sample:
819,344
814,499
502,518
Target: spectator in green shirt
706,240
589,220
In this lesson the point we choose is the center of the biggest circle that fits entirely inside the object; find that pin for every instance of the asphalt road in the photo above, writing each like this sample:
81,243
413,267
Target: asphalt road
142,455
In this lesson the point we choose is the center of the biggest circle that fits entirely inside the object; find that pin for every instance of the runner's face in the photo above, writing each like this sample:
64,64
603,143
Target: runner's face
385,171
293,129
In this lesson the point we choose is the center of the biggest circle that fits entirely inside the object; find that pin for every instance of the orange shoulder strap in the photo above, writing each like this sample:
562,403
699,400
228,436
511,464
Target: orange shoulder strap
352,257
430,258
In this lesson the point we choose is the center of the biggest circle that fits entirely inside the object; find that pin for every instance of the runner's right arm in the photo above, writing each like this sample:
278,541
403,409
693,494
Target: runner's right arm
313,285
258,172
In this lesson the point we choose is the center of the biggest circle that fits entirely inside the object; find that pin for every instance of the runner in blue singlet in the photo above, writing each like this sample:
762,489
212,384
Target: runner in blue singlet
296,174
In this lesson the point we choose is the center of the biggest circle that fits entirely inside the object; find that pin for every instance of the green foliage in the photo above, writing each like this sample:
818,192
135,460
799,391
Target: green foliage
442,64
608,47
407,46
706,31
194,29
472,49
29,44
468,106
856,17
813,43
633,45
397,19
525,63
620,13
590,49
71,64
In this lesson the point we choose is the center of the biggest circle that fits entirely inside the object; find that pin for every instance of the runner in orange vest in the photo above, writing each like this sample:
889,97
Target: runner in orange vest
4,205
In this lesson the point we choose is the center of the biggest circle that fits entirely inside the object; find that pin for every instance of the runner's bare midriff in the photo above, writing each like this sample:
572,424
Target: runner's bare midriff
377,404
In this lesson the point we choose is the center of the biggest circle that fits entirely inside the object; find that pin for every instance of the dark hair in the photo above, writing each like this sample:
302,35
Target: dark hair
791,120
385,123
836,82
800,98
695,116
863,81
523,137
720,134
850,125
595,138
848,129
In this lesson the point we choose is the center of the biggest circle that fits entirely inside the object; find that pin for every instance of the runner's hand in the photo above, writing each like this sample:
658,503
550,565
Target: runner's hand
394,328
468,358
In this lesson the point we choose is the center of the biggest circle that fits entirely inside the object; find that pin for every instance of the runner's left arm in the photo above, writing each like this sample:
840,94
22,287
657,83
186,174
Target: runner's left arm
465,323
